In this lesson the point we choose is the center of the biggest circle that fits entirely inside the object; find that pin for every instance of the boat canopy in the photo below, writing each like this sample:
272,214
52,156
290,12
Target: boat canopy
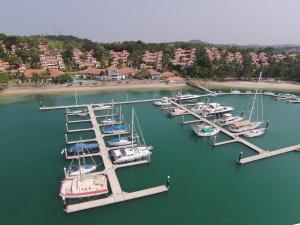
207,129
242,123
81,147
115,127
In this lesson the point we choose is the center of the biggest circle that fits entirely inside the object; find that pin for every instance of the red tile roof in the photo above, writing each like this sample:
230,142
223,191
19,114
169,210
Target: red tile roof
153,72
167,74
92,71
53,72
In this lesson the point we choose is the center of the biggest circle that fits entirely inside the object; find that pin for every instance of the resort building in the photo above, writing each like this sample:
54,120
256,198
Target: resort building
174,79
43,47
278,57
213,53
260,59
39,72
167,74
22,68
154,74
184,57
234,57
4,66
85,59
117,57
52,60
152,60
92,73
114,73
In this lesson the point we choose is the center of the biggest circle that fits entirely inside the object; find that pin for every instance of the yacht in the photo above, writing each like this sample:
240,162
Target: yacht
185,96
102,107
163,101
87,185
294,100
121,141
81,148
213,109
228,119
255,132
198,107
234,91
177,112
205,130
109,121
115,129
244,125
131,154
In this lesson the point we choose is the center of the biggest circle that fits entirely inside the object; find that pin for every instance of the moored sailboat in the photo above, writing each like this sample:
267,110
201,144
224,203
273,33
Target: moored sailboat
134,152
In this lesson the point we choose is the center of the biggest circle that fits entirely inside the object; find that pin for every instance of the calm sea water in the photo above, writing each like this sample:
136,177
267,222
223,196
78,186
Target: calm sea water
207,187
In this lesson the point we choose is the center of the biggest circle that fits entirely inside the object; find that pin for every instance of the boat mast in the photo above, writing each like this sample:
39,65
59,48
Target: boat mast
76,99
132,125
256,91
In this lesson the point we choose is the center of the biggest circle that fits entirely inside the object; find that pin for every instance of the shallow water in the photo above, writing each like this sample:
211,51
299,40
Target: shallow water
207,187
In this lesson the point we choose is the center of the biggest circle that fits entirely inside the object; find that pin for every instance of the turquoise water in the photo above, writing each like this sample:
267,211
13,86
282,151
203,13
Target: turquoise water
207,187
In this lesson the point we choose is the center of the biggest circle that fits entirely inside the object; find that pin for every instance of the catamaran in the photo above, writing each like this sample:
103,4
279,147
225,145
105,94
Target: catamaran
203,130
228,119
132,153
248,125
81,148
82,186
163,101
185,96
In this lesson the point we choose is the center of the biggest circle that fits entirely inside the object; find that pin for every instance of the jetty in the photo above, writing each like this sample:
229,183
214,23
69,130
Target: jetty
117,194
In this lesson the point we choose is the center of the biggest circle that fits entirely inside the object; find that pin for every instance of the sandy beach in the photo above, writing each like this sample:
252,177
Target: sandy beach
48,89
247,85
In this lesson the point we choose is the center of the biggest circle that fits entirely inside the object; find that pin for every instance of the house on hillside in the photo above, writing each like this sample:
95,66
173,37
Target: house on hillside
154,74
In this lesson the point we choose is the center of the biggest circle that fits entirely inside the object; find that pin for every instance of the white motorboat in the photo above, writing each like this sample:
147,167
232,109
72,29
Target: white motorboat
102,107
130,154
198,107
234,91
163,101
177,112
285,96
255,132
295,100
185,96
214,109
205,130
109,121
121,141
87,185
228,119
269,93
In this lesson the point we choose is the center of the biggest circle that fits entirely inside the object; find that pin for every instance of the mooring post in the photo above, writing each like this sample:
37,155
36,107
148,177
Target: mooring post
168,181
240,157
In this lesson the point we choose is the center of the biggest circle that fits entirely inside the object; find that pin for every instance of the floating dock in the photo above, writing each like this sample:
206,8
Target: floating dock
262,154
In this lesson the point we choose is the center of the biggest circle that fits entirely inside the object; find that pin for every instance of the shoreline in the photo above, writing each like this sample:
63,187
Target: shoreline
249,85
13,90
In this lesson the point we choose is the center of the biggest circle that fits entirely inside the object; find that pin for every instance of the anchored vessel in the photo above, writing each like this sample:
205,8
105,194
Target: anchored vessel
177,112
163,101
81,148
132,153
228,119
213,109
87,185
205,130
248,125
115,129
120,141
185,96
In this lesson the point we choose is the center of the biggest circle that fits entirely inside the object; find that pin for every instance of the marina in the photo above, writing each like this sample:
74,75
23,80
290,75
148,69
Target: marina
207,161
